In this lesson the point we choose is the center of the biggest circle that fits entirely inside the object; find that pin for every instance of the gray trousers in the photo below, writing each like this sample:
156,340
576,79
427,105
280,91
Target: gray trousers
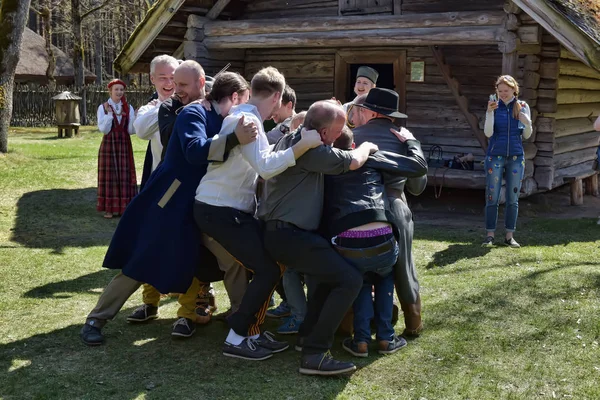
407,284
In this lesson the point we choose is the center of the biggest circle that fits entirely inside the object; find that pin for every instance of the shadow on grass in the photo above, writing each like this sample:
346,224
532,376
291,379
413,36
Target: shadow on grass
466,244
494,324
145,359
72,287
59,218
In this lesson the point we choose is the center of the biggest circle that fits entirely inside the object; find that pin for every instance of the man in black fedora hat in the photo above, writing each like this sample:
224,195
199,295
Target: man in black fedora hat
374,115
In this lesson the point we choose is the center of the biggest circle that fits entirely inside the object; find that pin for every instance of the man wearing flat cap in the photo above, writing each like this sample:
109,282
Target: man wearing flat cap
374,116
366,79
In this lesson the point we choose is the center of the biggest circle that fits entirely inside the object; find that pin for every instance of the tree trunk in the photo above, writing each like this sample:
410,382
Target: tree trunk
13,14
99,52
77,43
46,15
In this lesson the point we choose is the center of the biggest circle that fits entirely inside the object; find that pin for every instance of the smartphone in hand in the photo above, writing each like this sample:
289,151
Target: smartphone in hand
493,97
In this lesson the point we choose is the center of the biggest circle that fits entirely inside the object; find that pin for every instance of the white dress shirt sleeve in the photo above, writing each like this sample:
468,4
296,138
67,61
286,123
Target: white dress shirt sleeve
488,128
130,128
146,122
259,155
105,120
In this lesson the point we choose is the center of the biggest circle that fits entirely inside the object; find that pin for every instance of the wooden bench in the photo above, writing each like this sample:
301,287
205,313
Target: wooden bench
576,184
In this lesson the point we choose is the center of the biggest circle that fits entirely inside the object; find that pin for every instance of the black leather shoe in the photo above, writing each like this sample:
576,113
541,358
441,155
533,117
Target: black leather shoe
91,335
143,313
267,340
247,350
324,364
184,328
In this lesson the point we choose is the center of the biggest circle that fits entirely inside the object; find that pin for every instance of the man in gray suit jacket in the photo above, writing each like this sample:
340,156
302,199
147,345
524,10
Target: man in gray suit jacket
373,124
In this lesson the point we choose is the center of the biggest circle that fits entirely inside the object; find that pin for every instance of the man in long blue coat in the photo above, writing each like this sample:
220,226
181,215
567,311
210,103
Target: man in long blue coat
157,241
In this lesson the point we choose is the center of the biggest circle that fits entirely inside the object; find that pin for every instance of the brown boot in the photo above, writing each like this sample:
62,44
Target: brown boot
412,319
346,328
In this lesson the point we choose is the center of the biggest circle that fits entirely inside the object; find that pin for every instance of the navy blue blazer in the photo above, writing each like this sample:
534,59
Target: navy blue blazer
157,241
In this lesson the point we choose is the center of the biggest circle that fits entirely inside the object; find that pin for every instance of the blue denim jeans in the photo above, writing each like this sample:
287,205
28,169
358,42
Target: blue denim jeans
381,310
294,291
510,168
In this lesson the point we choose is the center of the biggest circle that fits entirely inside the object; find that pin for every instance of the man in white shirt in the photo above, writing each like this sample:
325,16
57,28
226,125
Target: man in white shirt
162,69
225,208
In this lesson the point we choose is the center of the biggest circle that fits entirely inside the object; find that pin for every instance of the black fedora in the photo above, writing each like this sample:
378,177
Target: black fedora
383,101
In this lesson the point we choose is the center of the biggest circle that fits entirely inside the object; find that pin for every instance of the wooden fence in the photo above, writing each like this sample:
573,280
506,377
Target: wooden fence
33,105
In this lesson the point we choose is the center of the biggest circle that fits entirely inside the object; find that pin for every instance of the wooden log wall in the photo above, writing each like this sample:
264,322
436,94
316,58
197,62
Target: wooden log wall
290,8
211,60
571,104
301,8
310,72
434,115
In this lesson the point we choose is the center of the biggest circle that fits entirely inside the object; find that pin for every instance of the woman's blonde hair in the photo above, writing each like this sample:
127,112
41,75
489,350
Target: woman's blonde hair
511,83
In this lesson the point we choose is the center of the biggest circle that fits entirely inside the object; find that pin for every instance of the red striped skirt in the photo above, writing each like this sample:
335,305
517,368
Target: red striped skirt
117,183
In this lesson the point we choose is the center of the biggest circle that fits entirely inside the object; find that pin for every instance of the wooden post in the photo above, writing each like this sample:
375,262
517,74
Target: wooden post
508,43
591,185
576,192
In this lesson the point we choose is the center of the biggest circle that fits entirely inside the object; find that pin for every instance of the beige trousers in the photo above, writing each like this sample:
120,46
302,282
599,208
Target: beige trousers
236,277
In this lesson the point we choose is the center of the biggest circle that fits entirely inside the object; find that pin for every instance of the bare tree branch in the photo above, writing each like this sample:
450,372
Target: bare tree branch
93,10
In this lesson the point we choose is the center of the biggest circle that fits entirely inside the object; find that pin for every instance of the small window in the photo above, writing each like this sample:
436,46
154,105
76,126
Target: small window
417,71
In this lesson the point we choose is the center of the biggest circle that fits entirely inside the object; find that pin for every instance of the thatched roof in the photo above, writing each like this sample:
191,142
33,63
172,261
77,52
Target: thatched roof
585,14
33,61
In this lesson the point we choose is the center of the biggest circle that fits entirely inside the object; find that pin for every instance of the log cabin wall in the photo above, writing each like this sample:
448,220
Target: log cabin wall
301,8
310,72
260,9
434,115
569,99
578,104
214,60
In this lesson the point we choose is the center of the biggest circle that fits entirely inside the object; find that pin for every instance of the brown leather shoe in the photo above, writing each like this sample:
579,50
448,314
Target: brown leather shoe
412,319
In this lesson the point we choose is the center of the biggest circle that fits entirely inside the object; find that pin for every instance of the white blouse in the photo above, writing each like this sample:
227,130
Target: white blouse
105,119
146,127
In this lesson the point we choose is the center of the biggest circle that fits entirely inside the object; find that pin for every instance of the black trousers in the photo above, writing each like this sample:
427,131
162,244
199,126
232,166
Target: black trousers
241,235
336,282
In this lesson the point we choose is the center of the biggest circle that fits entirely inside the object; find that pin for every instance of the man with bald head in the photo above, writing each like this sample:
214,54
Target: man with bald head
292,211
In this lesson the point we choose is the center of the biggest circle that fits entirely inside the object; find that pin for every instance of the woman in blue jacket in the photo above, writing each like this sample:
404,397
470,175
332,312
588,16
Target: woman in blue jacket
507,123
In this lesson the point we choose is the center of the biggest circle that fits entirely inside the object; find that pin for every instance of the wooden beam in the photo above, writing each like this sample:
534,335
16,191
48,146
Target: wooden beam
584,110
462,101
576,82
576,68
167,38
146,32
562,29
573,126
363,22
573,96
216,10
455,178
179,52
360,38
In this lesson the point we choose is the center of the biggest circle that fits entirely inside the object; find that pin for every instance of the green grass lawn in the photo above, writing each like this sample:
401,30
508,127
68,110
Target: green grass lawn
500,323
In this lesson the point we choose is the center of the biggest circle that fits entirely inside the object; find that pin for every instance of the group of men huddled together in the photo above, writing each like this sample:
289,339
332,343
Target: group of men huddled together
330,211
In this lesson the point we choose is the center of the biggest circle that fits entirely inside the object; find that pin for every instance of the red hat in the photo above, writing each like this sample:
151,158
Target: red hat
116,82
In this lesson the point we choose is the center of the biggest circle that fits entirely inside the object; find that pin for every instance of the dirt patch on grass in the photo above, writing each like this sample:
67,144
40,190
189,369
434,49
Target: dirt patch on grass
457,207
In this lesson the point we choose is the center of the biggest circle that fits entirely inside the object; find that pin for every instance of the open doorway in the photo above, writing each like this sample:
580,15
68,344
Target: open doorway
385,80
390,63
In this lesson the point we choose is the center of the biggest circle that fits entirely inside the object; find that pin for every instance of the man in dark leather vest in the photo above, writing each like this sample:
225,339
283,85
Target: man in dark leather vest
374,126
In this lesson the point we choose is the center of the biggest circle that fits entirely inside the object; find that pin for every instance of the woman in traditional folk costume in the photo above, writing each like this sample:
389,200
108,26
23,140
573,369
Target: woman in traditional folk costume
117,183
